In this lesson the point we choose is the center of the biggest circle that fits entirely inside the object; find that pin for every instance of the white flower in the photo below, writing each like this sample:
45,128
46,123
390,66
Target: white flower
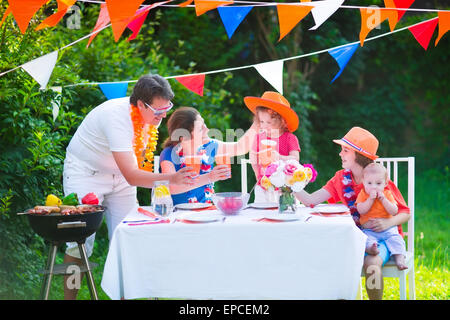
278,178
298,186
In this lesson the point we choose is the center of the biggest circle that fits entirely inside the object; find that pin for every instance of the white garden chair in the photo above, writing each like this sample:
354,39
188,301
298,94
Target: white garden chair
390,269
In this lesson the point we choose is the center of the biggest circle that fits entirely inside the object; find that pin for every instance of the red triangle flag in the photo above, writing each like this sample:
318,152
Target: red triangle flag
402,4
102,21
423,31
194,83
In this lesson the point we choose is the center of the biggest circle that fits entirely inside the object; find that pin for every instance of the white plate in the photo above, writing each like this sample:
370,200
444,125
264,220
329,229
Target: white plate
200,217
283,216
193,206
331,208
264,205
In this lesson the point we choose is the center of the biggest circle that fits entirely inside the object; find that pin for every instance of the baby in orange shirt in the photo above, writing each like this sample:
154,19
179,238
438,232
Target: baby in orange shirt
375,202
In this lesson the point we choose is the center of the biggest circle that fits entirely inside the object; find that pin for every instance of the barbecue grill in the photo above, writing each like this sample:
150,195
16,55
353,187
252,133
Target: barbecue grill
59,229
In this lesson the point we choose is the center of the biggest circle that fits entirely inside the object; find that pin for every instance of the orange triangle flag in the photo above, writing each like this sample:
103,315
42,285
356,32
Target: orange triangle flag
51,21
373,17
5,15
121,13
194,83
202,6
444,25
393,19
289,16
186,3
24,10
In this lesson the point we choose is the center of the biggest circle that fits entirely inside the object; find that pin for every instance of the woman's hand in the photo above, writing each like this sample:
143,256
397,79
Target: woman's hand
378,225
182,176
220,172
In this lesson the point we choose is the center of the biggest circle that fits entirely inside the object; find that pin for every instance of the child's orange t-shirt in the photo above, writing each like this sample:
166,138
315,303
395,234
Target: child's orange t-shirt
335,187
377,210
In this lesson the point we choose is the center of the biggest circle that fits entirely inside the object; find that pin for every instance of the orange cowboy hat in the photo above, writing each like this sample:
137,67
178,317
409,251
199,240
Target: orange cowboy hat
360,140
276,102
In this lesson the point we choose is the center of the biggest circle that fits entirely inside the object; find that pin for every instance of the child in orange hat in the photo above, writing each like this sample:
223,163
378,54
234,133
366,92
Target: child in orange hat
275,141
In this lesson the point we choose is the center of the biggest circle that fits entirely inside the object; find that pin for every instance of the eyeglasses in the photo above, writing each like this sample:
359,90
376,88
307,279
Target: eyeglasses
162,110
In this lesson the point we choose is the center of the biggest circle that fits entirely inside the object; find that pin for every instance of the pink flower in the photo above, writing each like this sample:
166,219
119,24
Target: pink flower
289,169
314,172
271,169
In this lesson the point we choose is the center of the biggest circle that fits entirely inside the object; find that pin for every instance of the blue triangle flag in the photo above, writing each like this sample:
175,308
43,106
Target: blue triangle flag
342,56
114,90
232,17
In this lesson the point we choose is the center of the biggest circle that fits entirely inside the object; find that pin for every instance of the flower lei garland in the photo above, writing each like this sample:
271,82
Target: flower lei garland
144,153
350,195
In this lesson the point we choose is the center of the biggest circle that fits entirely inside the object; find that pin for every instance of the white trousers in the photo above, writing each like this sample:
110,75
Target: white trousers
112,190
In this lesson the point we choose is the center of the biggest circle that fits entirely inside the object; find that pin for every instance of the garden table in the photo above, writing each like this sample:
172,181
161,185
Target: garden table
240,258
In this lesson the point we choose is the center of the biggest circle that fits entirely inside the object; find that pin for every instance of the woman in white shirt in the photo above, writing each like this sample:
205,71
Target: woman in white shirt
110,154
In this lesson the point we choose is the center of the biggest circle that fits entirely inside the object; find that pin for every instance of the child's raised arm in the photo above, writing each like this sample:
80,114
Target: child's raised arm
314,198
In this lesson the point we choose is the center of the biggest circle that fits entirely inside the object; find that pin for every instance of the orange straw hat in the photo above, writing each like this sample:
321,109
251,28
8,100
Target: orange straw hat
276,102
360,140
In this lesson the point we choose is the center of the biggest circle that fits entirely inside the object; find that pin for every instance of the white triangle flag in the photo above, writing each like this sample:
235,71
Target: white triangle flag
41,68
273,73
323,10
56,102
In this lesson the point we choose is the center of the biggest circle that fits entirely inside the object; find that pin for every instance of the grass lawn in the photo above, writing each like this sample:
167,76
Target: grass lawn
431,246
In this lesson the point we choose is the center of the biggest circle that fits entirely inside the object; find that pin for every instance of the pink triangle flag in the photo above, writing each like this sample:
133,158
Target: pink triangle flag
102,21
424,31
137,23
139,17
194,83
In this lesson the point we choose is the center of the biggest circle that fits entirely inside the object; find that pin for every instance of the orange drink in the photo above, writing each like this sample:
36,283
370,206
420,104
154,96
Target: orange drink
223,159
195,163
265,153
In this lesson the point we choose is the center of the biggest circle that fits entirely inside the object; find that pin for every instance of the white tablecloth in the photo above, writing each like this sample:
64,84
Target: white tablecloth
240,258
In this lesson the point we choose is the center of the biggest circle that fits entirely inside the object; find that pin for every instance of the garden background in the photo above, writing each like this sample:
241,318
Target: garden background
391,86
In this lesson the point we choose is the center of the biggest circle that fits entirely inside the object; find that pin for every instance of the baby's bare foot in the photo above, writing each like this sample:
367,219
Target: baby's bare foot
373,249
400,261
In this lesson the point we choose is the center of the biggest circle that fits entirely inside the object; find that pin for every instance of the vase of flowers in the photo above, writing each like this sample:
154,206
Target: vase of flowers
286,202
287,177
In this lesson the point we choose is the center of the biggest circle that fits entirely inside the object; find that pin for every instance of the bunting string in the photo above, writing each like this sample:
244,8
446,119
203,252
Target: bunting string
120,16
274,4
66,46
253,65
